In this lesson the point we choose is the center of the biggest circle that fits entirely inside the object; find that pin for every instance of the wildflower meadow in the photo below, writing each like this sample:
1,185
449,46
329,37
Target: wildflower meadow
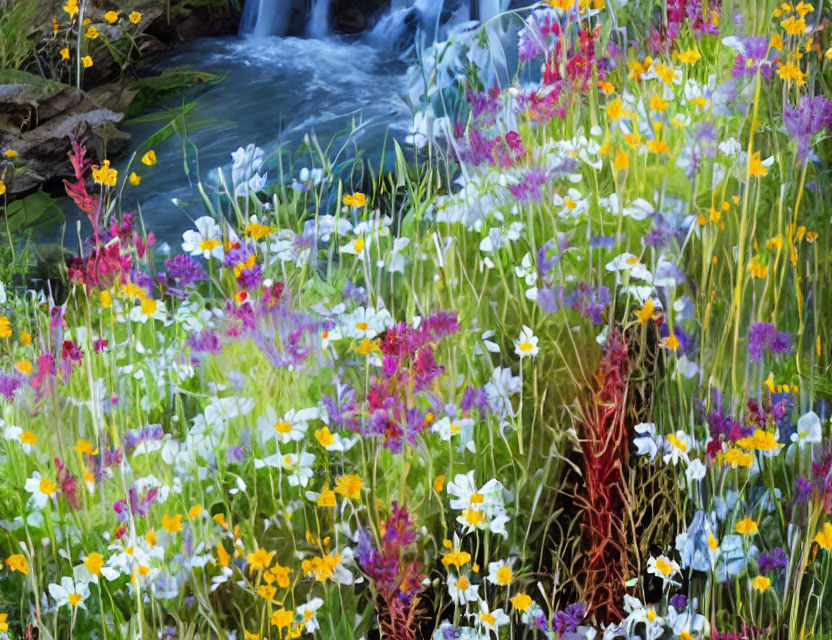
554,363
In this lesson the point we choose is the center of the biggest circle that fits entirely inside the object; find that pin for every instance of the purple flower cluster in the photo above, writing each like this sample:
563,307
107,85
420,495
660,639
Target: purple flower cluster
182,273
529,188
567,620
501,151
9,383
763,338
810,116
686,342
395,575
205,341
137,505
146,433
286,338
772,560
679,602
752,55
822,476
483,105
474,399
802,490
242,261
557,247
408,367
589,300
539,35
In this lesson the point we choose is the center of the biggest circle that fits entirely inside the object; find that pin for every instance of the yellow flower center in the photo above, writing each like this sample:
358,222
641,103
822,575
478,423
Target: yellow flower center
47,486
665,568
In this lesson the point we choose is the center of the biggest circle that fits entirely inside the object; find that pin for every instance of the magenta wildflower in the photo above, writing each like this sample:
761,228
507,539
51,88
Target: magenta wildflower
71,356
68,484
392,568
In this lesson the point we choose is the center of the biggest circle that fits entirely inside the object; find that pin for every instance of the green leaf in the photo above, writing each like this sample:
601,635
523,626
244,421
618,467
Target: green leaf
34,211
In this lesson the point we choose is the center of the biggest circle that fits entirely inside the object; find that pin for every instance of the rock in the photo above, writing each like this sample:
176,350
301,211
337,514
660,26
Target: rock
352,17
36,120
201,24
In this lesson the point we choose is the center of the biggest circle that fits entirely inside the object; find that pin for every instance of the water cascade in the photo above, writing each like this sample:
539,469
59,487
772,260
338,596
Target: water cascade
394,29
318,25
279,89
263,18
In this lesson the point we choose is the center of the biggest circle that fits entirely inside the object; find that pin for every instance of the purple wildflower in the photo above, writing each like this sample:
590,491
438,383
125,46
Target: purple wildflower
602,242
396,578
567,621
545,264
763,338
678,602
205,341
802,490
772,560
9,383
811,116
529,188
146,433
752,52
474,398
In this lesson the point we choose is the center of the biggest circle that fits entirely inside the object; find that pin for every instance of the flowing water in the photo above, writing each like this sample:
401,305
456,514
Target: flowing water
278,89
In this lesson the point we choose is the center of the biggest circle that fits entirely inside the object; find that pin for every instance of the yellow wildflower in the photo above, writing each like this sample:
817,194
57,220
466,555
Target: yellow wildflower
105,175
794,26
521,602
172,524
790,71
761,583
823,538
747,527
689,57
439,483
94,562
259,560
24,366
5,327
349,486
17,562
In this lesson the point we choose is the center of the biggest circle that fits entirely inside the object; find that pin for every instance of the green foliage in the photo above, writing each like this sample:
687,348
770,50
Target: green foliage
151,92
33,212
17,19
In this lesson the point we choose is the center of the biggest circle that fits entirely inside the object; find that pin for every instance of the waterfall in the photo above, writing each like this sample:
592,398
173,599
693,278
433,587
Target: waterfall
490,8
263,18
318,25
